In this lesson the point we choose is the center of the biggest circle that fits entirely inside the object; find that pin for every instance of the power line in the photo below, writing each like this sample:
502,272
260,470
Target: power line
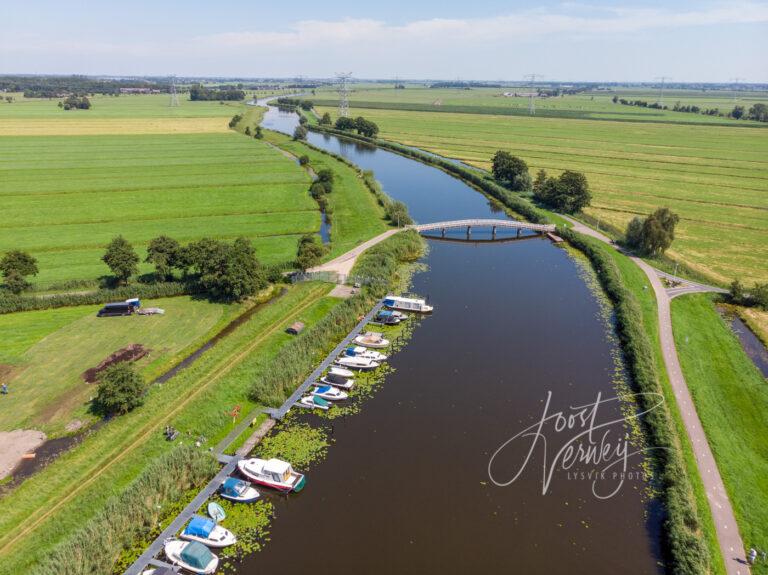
661,89
174,100
342,78
531,101
736,82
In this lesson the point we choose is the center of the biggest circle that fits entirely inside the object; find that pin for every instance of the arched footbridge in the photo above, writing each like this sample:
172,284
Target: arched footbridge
484,223
342,265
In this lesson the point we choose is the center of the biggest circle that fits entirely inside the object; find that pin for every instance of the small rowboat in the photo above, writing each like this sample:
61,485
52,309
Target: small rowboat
191,555
329,393
272,473
312,401
208,532
216,512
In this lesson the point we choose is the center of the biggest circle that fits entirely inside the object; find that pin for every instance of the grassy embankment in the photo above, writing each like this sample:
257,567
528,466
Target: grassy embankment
52,504
715,177
731,398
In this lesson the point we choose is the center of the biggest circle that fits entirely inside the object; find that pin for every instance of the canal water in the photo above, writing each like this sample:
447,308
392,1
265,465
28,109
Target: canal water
407,488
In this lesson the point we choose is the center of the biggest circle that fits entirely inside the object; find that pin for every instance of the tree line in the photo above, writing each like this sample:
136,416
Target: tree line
758,112
198,92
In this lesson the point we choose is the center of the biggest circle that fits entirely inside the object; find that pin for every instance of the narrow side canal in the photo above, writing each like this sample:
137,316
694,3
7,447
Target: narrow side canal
405,487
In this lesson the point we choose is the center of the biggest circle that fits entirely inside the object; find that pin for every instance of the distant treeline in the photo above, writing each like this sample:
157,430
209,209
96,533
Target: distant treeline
59,86
463,85
198,92
757,112
295,103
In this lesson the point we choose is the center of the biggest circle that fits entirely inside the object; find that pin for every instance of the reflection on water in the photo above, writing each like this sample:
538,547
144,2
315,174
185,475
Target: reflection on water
405,487
751,344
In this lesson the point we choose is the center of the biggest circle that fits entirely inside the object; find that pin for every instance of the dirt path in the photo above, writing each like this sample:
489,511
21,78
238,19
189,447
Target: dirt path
14,444
219,370
731,545
344,263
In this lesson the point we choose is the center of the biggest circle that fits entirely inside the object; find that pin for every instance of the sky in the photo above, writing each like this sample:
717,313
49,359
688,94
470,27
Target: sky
688,41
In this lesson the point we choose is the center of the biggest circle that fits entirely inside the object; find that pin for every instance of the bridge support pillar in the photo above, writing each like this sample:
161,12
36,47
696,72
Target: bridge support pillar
442,232
518,232
493,232
469,231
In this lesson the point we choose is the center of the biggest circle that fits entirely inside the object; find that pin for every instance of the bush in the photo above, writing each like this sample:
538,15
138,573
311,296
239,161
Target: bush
129,516
16,265
300,133
303,160
309,252
120,390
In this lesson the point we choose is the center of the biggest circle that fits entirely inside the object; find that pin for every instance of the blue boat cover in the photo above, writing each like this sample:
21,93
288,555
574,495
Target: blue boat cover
319,400
351,352
323,388
196,555
200,527
385,313
231,486
389,302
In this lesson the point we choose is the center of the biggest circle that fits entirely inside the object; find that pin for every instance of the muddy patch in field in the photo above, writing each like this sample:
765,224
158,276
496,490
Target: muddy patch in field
7,372
132,352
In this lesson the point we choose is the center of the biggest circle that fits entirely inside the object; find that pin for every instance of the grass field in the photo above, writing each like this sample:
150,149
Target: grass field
731,398
715,177
64,197
49,350
595,105
197,401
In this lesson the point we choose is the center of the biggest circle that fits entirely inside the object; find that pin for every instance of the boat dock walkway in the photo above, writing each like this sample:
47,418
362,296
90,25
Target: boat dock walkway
149,558
280,412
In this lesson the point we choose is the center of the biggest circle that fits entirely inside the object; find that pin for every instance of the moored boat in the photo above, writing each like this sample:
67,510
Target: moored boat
191,555
372,339
338,377
407,304
216,512
355,362
238,490
208,532
329,393
389,317
360,351
312,401
272,473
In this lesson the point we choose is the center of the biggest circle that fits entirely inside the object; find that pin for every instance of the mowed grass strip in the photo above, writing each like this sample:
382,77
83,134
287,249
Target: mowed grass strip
197,401
78,126
731,398
64,197
715,177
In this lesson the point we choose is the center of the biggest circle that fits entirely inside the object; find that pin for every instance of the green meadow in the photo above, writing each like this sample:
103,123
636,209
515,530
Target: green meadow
714,177
63,198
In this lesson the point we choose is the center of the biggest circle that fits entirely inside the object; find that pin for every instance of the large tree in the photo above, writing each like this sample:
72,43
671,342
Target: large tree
120,390
655,234
163,252
121,259
228,272
309,252
511,170
325,120
567,193
16,266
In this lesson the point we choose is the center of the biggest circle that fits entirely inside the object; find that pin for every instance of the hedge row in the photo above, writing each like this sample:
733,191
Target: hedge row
380,265
96,546
10,303
688,553
485,184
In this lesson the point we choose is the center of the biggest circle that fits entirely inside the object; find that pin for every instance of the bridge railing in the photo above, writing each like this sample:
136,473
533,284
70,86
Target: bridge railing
510,224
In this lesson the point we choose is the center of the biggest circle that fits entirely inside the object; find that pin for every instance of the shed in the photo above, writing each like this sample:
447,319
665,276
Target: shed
295,328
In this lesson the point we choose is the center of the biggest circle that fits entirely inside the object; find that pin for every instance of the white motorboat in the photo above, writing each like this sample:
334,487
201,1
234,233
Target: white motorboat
372,339
312,401
191,555
206,531
407,304
360,351
238,490
338,377
355,362
272,473
329,393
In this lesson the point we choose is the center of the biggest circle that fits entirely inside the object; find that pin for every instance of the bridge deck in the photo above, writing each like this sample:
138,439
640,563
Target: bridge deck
478,222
